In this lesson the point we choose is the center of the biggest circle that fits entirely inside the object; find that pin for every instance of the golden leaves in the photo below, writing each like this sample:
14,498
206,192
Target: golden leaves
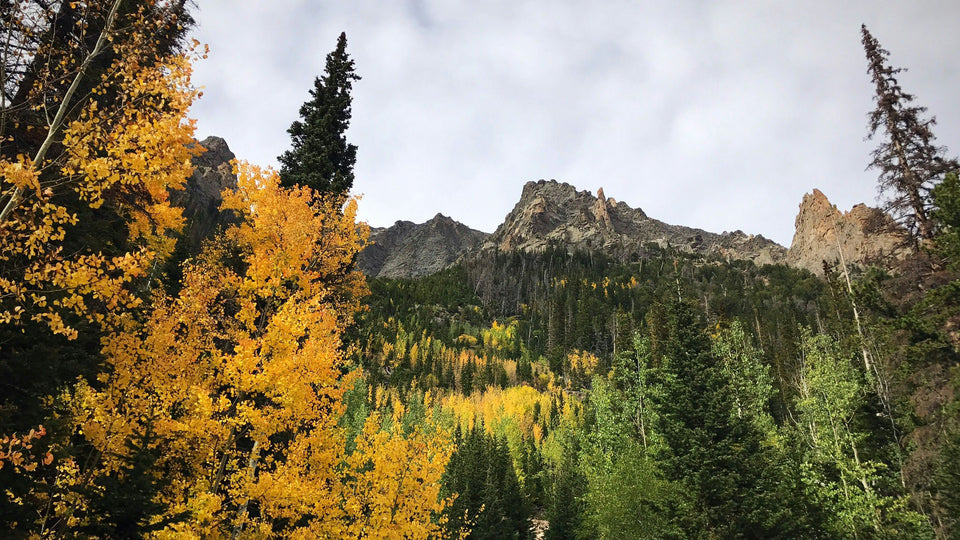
394,489
239,378
136,154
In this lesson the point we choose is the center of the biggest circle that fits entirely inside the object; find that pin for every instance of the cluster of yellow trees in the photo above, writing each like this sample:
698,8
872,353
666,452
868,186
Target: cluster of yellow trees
235,380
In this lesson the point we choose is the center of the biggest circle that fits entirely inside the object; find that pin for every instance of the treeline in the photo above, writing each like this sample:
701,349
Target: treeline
761,407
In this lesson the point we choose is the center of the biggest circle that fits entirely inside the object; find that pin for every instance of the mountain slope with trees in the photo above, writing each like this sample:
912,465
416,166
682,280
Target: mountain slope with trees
188,350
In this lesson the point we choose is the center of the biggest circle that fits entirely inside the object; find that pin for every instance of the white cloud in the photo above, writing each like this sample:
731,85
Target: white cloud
718,115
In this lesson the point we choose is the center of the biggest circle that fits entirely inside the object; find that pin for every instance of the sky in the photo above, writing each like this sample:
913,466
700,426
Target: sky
718,115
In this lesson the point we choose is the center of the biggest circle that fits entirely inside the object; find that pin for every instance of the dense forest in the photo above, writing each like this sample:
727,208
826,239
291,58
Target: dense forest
256,385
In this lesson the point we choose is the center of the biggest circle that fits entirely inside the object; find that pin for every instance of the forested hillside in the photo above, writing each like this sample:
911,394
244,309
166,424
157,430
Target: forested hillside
188,348
671,396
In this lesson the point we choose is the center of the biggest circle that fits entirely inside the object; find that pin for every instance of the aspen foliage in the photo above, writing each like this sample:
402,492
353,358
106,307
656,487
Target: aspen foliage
581,367
127,152
240,378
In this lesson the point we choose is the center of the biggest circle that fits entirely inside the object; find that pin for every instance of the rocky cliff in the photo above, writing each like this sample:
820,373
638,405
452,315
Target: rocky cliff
200,198
551,212
863,235
407,249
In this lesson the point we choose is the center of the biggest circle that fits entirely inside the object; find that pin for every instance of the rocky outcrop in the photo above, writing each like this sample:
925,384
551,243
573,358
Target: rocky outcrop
864,235
555,213
200,198
551,212
407,249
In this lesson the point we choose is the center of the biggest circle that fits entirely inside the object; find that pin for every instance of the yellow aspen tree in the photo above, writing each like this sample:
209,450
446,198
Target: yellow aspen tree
393,490
117,136
240,379
245,363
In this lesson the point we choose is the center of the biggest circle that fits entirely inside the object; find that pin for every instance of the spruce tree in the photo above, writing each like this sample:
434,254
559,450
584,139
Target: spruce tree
718,458
320,157
909,161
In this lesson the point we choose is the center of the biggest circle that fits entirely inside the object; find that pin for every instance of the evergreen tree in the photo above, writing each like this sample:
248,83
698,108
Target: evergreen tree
565,508
946,214
489,498
123,505
910,163
320,157
947,486
717,457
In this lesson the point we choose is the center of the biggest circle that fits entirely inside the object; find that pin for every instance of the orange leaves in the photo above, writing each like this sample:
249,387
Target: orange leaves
20,453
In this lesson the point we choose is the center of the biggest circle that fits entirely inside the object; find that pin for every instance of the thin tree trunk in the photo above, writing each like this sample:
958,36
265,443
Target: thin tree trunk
17,196
251,475
853,303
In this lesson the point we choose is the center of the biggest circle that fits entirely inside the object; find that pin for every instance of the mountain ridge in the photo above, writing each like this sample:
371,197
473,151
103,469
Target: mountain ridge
408,249
550,213
557,213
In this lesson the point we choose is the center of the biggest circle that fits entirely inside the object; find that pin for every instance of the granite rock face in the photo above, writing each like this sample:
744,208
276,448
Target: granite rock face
555,213
863,235
200,198
407,249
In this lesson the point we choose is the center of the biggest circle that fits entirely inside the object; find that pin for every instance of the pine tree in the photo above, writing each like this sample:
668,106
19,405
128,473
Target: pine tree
946,214
320,157
733,488
489,498
910,163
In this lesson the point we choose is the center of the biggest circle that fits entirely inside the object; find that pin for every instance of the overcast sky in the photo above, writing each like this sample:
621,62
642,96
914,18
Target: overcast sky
718,115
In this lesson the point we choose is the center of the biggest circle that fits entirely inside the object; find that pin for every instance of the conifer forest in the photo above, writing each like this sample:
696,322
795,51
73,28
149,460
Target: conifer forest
168,375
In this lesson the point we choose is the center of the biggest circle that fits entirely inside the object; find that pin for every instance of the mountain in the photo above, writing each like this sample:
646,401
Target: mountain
863,235
201,198
551,212
407,249
556,213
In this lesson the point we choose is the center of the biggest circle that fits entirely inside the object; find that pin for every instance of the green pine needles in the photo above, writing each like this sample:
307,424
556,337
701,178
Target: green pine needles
321,158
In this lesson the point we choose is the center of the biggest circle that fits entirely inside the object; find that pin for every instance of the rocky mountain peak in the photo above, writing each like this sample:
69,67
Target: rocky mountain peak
441,220
863,235
408,249
201,196
601,211
551,212
217,153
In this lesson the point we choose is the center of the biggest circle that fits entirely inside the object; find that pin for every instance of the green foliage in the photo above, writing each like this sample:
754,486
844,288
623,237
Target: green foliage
749,380
836,470
320,157
946,214
565,507
731,480
489,499
626,495
629,499
640,385
946,485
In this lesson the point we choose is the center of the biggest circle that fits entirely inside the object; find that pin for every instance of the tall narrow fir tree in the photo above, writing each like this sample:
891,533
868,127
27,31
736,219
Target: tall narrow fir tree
321,158
910,162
